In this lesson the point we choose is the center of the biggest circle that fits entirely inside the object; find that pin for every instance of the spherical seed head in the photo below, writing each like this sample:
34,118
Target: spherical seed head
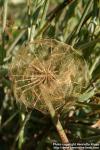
53,64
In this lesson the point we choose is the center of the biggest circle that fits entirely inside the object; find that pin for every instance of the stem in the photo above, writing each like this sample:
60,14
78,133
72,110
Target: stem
21,129
43,16
95,63
52,15
29,18
9,119
5,7
72,34
54,118
5,14
86,10
88,44
10,49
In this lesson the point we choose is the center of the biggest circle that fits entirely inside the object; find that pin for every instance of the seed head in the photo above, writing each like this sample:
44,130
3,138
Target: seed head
53,64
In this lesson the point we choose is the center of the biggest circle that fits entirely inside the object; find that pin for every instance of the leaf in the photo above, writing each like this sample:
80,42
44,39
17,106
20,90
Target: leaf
96,73
36,14
2,54
85,96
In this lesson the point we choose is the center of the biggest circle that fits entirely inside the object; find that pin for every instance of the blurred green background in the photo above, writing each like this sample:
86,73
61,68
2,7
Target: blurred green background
77,24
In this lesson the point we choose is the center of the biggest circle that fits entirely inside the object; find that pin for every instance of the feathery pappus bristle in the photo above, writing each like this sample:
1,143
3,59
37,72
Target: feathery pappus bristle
53,64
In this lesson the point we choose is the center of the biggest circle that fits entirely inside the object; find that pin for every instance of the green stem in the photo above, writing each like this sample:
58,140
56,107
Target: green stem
44,11
5,8
88,44
21,130
95,63
52,15
5,14
86,10
54,118
9,119
29,18
10,49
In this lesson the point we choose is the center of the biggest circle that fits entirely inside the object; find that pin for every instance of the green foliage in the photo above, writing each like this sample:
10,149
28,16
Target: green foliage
77,24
